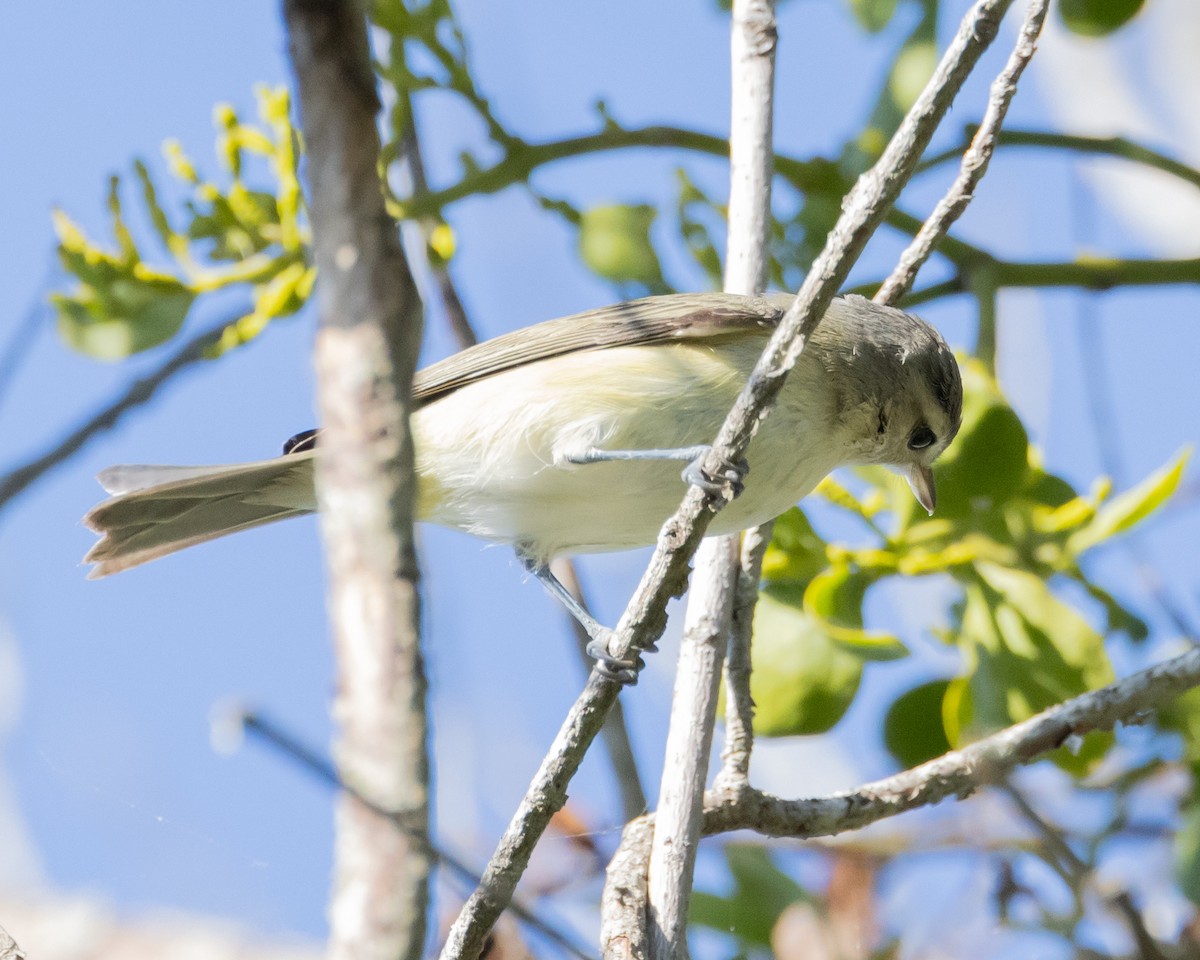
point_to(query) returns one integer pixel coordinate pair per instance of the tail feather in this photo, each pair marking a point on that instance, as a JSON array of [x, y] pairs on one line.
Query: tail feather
[[159, 510]]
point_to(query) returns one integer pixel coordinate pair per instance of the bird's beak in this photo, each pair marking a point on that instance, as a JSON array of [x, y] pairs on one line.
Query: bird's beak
[[920, 480]]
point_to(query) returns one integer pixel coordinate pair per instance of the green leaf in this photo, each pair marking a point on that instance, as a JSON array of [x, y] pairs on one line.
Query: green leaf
[[1047, 489], [761, 893], [614, 241], [803, 680], [119, 305], [1182, 715], [124, 319], [1131, 507], [913, 67], [1027, 650], [796, 553], [1187, 853], [834, 599], [873, 15], [914, 730], [986, 463], [1097, 18]]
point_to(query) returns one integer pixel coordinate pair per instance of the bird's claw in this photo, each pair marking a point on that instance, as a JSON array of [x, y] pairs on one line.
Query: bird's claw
[[621, 670], [730, 480]]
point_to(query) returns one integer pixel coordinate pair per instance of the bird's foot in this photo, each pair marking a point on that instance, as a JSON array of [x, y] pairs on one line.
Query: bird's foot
[[623, 670], [730, 480]]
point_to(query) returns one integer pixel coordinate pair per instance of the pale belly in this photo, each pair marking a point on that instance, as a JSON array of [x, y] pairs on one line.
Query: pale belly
[[492, 457]]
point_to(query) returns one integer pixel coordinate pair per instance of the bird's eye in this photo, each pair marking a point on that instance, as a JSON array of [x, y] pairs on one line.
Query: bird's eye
[[921, 438]]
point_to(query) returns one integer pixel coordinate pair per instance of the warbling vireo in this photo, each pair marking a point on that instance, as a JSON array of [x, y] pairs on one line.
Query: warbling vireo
[[559, 438]]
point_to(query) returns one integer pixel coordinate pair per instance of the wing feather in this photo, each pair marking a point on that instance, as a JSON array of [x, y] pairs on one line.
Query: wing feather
[[637, 322]]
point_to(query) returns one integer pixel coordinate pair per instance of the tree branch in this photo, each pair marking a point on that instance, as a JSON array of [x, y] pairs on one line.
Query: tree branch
[[1078, 871], [140, 391], [9, 950], [365, 356], [666, 576], [974, 161], [281, 740], [616, 732], [1100, 146], [714, 590], [956, 774]]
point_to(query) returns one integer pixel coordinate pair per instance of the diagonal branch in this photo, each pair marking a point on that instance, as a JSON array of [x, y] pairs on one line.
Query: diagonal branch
[[974, 161], [140, 391], [666, 575], [957, 774]]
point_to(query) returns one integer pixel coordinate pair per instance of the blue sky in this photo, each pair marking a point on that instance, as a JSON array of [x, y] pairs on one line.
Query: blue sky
[[108, 757]]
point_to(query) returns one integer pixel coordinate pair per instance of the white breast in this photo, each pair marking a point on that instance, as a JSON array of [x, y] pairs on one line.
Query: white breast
[[492, 455]]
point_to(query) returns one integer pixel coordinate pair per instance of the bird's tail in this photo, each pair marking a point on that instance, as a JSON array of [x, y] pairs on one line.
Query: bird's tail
[[155, 510]]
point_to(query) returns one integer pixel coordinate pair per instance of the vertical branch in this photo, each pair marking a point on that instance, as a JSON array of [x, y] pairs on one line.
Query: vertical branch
[[365, 356], [715, 586], [666, 574], [739, 705]]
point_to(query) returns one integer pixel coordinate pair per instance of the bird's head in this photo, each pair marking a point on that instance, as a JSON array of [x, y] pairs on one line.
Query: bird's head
[[905, 390]]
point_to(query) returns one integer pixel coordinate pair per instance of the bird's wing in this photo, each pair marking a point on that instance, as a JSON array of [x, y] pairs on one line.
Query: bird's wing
[[637, 322]]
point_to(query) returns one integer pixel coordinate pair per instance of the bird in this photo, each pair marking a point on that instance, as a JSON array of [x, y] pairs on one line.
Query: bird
[[566, 437]]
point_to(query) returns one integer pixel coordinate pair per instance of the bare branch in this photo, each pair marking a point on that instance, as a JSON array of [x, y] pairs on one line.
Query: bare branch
[[8, 947], [739, 704], [1078, 871], [137, 393], [365, 356], [714, 591], [290, 746], [1121, 147], [616, 732], [956, 774], [623, 905], [974, 162], [666, 575], [689, 743]]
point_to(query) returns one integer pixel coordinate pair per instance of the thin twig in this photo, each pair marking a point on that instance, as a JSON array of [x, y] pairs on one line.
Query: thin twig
[[666, 575], [1101, 146], [137, 393], [714, 590], [974, 162], [456, 314], [955, 774], [365, 355], [17, 347], [739, 704], [616, 731], [1079, 871], [290, 746]]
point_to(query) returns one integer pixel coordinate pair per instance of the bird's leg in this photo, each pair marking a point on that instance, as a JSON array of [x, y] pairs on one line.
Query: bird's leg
[[732, 477], [621, 670]]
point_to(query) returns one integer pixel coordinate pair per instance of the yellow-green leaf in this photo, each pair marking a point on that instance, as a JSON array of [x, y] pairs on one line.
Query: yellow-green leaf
[[803, 681], [1131, 507], [614, 241], [796, 553]]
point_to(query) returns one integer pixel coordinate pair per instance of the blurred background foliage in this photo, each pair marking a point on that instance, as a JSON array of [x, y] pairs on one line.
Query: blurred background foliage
[[1009, 541]]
